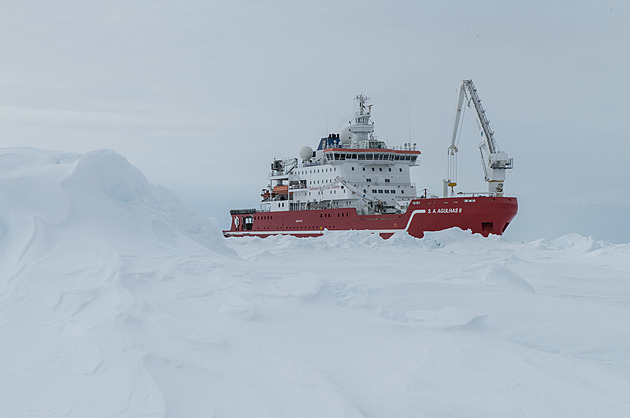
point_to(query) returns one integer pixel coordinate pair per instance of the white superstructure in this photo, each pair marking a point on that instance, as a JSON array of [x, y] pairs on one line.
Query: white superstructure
[[349, 169]]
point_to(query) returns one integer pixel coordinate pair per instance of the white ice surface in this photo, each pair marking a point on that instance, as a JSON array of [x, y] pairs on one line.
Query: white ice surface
[[117, 300]]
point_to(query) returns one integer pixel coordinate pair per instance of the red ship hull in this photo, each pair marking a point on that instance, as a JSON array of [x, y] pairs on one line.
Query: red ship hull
[[483, 215]]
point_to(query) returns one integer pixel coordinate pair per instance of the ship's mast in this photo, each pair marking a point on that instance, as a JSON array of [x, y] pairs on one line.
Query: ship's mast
[[362, 128]]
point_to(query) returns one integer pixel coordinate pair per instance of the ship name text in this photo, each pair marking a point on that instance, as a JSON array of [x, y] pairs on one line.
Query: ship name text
[[445, 210]]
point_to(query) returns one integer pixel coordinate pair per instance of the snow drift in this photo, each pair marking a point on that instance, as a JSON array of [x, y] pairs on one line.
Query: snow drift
[[97, 197], [117, 300]]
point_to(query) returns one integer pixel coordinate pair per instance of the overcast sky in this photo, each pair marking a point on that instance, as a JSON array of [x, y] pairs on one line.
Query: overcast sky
[[201, 95]]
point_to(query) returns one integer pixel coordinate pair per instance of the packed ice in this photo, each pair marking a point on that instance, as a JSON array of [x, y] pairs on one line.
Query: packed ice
[[116, 299]]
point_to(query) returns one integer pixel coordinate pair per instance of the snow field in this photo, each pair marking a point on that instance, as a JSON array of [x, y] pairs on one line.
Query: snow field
[[117, 300]]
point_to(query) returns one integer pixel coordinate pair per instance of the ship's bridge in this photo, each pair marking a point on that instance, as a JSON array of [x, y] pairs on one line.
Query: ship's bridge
[[372, 155]]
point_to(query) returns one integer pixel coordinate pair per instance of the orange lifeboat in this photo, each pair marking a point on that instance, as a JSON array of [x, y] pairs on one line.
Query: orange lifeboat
[[281, 189]]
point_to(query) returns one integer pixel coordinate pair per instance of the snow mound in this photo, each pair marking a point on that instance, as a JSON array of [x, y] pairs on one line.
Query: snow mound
[[573, 244], [499, 275], [47, 197]]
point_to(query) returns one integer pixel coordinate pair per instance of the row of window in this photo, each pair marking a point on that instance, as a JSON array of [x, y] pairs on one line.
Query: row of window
[[311, 228], [340, 156], [328, 215], [312, 182], [318, 181], [384, 191], [379, 169], [322, 192], [315, 171]]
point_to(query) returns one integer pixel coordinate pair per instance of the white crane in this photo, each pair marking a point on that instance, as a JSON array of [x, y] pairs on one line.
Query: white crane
[[493, 160]]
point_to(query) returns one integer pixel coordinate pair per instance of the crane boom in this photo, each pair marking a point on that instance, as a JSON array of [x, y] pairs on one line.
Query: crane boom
[[494, 161], [481, 116]]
